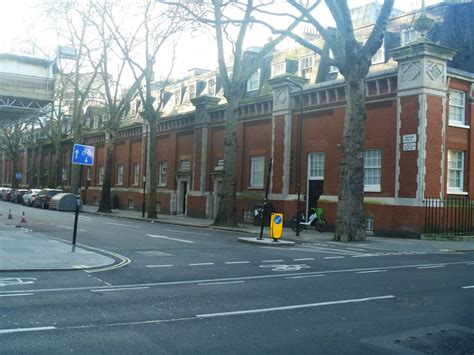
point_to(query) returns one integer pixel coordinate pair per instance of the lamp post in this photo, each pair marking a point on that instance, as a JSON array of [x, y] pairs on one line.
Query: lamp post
[[298, 155]]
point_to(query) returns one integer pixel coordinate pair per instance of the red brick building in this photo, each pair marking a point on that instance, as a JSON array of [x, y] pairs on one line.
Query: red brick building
[[418, 141]]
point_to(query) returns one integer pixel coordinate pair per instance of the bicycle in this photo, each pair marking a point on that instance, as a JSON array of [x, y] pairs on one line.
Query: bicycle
[[316, 219]]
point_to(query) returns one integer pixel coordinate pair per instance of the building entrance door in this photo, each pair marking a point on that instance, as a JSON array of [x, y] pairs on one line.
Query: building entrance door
[[315, 190], [217, 197], [182, 192]]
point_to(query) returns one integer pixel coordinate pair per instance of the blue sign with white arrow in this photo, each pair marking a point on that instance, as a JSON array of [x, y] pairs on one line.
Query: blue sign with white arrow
[[83, 155]]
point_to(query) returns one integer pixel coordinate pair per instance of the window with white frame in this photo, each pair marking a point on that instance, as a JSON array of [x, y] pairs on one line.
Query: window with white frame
[[211, 87], [192, 91], [379, 56], [177, 97], [455, 171], [372, 170], [163, 169], [316, 166], [95, 123], [306, 66], [254, 82], [456, 107], [278, 69], [408, 36], [332, 68], [133, 108], [120, 170], [257, 166], [101, 175], [136, 174]]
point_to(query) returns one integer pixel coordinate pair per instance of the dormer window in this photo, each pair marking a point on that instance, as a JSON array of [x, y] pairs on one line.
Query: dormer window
[[408, 36], [253, 83], [278, 69], [379, 56], [332, 68], [211, 87], [192, 91], [306, 66], [177, 97]]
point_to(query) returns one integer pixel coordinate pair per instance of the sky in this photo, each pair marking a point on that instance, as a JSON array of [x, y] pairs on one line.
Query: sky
[[18, 22]]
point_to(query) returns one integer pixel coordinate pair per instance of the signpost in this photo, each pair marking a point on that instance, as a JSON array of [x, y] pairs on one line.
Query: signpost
[[81, 155], [18, 176]]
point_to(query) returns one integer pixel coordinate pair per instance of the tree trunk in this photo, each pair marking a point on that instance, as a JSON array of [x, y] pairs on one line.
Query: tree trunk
[[226, 214], [350, 221], [151, 168], [105, 198]]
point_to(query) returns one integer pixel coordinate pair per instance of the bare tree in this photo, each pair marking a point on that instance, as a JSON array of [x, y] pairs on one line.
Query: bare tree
[[231, 23], [10, 142], [156, 29], [353, 59]]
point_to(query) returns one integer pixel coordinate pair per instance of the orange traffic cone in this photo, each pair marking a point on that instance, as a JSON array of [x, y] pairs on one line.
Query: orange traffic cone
[[10, 214], [23, 218]]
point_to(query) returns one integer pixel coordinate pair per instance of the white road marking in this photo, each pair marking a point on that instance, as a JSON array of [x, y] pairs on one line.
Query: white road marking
[[71, 228], [272, 261], [175, 239], [305, 276], [220, 283], [334, 257], [18, 330], [17, 294], [120, 289], [363, 255], [355, 249], [237, 262], [178, 231], [256, 277], [370, 271], [169, 265], [430, 267], [299, 306], [120, 224], [303, 259], [466, 287], [201, 264]]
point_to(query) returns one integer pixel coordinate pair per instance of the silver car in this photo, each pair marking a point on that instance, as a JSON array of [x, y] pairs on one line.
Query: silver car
[[30, 197]]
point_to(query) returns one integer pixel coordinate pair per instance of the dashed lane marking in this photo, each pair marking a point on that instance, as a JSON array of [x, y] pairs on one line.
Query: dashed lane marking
[[120, 289], [168, 238], [303, 259], [466, 287], [17, 294], [237, 262], [334, 257], [180, 231], [305, 276], [272, 261], [201, 264], [121, 224], [18, 330], [430, 267], [220, 283], [370, 271], [169, 265]]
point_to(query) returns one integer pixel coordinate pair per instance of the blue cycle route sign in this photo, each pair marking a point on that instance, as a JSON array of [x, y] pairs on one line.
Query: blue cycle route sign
[[83, 155]]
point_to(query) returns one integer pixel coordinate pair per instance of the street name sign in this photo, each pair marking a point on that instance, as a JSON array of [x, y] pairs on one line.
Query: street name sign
[[83, 155]]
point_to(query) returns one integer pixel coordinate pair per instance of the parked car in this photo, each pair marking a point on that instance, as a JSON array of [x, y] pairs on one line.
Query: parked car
[[7, 194], [17, 196], [44, 196], [30, 197], [2, 191]]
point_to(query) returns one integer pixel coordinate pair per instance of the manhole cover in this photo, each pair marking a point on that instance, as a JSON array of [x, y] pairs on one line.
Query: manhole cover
[[153, 253], [442, 342]]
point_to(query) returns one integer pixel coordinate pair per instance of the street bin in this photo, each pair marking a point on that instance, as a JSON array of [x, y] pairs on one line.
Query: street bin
[[258, 216]]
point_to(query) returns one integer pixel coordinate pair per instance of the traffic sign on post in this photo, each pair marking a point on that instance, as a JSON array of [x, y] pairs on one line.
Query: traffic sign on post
[[83, 155]]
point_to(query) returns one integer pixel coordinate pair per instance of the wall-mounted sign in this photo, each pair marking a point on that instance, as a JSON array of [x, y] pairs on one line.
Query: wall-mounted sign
[[409, 138], [407, 147], [67, 52]]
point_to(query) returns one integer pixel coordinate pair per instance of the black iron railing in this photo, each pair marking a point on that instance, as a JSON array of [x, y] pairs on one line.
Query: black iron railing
[[454, 216]]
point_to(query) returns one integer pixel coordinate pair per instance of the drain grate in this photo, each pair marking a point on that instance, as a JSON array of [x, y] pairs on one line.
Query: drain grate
[[443, 342], [153, 253]]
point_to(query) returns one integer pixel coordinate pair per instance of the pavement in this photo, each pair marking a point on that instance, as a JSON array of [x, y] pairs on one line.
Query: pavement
[[21, 249]]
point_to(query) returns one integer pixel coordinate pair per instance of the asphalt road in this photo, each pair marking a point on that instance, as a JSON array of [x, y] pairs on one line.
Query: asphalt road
[[198, 291]]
